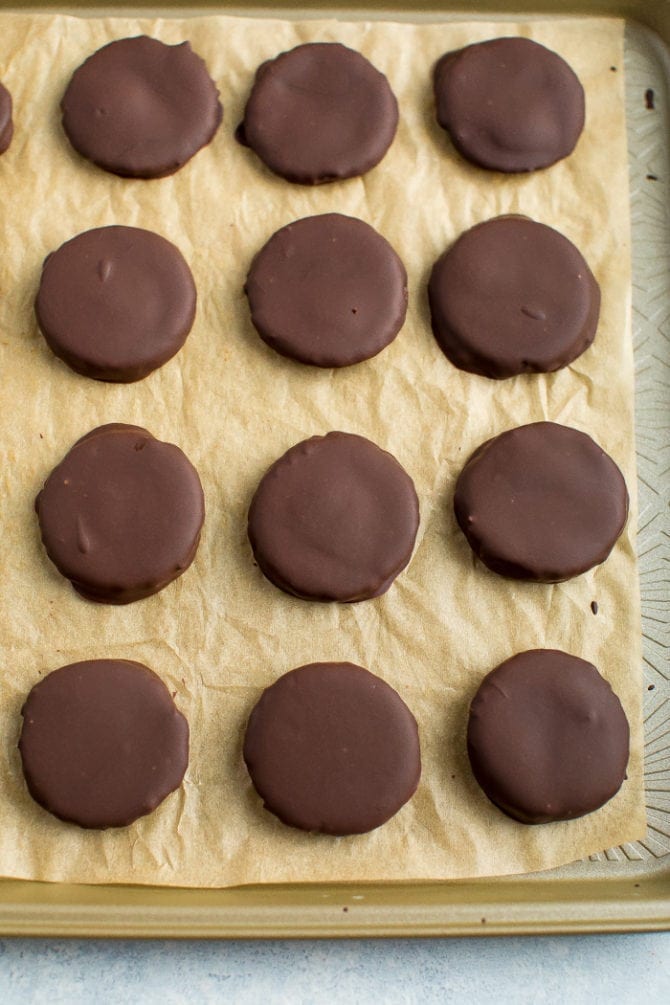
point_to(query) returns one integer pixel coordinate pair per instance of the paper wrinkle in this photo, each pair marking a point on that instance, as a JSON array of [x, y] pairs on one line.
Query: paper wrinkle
[[221, 633]]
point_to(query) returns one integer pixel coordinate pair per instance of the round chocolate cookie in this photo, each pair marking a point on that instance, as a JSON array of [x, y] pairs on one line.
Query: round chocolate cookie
[[140, 108], [121, 514], [102, 742], [509, 104], [115, 303], [327, 290], [547, 737], [332, 748], [335, 518], [541, 502], [513, 296], [320, 112], [6, 123]]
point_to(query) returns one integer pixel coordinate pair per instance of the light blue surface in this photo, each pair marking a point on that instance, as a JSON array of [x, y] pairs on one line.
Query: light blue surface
[[572, 970]]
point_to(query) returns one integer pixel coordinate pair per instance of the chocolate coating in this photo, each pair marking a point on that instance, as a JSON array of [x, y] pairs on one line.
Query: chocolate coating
[[140, 108], [121, 515], [115, 303], [318, 113], [509, 104], [327, 290], [102, 743], [541, 502], [513, 296], [335, 518], [332, 748], [6, 123], [547, 737]]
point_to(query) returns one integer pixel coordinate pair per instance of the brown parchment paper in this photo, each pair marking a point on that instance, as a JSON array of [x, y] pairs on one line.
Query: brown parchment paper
[[221, 633]]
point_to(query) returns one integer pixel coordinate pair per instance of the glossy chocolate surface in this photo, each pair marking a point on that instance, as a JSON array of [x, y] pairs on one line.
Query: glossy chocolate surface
[[547, 737], [330, 747], [513, 296], [320, 112], [121, 515], [6, 122], [140, 108], [116, 303], [102, 742], [327, 290], [509, 104], [335, 518], [541, 502]]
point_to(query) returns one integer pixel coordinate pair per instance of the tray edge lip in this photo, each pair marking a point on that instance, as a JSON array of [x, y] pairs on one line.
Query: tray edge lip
[[644, 914]]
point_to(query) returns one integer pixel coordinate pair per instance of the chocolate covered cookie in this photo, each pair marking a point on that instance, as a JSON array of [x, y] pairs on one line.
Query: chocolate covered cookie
[[541, 502], [327, 290], [547, 737], [121, 515], [102, 743], [6, 123], [140, 108], [335, 518], [513, 296], [320, 112], [115, 303], [509, 104], [332, 748]]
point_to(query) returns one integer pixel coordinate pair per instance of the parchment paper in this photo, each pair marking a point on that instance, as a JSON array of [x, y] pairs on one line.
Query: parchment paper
[[222, 633]]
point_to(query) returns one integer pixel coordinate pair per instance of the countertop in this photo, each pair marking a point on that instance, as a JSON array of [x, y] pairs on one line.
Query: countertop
[[575, 969]]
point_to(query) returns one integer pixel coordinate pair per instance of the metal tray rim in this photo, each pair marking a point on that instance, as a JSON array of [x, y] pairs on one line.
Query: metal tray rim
[[511, 905]]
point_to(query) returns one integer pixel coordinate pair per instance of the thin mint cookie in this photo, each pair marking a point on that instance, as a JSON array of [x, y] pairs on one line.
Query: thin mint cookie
[[541, 502], [116, 303], [6, 122], [547, 737], [140, 108], [335, 518], [318, 113], [332, 748], [328, 291], [509, 104], [102, 742], [513, 296], [120, 516]]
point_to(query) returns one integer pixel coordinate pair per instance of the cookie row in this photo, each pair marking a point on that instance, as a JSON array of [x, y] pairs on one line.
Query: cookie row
[[329, 747], [318, 113], [511, 296], [334, 519]]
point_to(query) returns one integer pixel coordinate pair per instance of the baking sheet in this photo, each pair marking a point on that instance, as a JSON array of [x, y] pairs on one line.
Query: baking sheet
[[214, 635]]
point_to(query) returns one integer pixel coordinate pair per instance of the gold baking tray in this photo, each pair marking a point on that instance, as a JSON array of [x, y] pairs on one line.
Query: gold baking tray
[[623, 889]]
